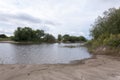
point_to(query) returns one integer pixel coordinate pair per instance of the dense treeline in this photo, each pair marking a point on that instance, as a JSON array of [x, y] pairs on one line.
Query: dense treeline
[[71, 39], [3, 36], [27, 34], [49, 38], [106, 29]]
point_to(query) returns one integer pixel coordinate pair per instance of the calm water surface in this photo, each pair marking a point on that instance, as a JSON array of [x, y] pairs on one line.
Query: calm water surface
[[41, 53]]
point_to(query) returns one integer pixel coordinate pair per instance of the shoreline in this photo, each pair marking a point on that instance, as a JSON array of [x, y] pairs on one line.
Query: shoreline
[[9, 42], [31, 42], [100, 67], [15, 42]]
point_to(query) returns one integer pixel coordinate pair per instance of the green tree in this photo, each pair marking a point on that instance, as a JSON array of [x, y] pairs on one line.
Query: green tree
[[3, 36], [28, 34], [82, 38], [72, 39], [59, 37], [49, 38], [66, 37], [23, 34], [38, 35], [106, 26]]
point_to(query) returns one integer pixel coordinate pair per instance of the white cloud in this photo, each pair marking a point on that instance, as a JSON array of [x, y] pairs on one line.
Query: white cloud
[[54, 16]]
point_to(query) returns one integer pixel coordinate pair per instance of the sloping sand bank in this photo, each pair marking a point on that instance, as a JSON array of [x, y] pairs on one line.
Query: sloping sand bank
[[99, 68]]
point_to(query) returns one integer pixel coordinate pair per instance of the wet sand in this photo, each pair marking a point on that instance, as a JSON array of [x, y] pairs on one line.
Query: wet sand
[[100, 67]]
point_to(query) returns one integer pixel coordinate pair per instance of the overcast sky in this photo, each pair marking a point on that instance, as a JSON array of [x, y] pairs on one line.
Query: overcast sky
[[72, 17]]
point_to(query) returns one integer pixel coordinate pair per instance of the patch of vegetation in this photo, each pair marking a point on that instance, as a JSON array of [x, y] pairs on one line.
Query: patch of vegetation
[[71, 39], [49, 38], [3, 37], [106, 31], [27, 34]]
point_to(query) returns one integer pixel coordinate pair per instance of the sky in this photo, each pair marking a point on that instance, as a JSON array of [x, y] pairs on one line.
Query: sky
[[73, 17]]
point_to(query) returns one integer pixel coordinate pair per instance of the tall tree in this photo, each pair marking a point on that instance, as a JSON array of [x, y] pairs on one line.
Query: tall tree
[[3, 36], [28, 34], [106, 29], [108, 24], [49, 38], [59, 37]]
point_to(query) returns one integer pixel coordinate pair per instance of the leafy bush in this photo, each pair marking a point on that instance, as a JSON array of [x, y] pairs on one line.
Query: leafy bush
[[68, 38], [27, 34], [49, 38], [113, 40], [106, 29]]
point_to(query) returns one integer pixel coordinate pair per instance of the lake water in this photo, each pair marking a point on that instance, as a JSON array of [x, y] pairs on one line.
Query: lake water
[[41, 53]]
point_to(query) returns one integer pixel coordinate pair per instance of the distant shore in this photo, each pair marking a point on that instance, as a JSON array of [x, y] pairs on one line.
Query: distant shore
[[15, 42], [8, 42]]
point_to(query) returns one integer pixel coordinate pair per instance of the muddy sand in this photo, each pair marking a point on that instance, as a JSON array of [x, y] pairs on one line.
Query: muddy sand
[[100, 67]]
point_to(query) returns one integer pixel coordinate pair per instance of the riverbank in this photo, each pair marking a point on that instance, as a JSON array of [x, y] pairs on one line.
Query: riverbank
[[105, 50], [8, 42], [101, 67], [14, 42]]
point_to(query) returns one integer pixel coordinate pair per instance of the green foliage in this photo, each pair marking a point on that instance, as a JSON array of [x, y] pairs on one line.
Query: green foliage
[[113, 40], [49, 38], [37, 35], [3, 36], [68, 38], [23, 34], [106, 29], [27, 34], [82, 38], [5, 39], [59, 37]]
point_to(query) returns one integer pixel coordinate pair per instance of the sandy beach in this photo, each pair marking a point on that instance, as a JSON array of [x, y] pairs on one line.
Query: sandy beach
[[100, 67]]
